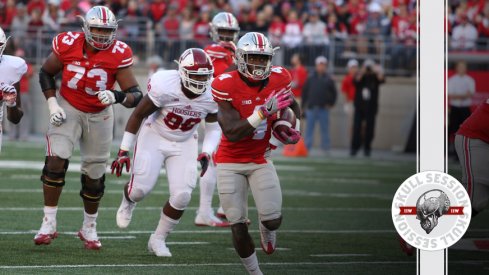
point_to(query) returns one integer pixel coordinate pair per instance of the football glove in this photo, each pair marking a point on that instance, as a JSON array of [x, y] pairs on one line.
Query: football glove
[[56, 114], [290, 136], [9, 94], [106, 97], [204, 160], [276, 101], [118, 163]]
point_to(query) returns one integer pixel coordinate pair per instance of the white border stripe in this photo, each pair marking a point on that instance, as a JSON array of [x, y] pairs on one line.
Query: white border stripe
[[432, 108]]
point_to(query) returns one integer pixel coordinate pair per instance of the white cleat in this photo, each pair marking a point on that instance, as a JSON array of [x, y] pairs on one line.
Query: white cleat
[[209, 220], [124, 214], [88, 234], [268, 239], [156, 245], [47, 232]]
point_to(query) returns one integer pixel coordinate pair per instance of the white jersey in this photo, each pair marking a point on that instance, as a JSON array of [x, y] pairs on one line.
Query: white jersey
[[178, 116], [12, 69]]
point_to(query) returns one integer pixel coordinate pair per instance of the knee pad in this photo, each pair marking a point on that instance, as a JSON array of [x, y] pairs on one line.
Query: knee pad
[[54, 171], [136, 195], [180, 200], [272, 224], [92, 189]]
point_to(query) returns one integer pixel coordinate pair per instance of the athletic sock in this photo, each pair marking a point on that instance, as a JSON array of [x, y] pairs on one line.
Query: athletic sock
[[251, 264]]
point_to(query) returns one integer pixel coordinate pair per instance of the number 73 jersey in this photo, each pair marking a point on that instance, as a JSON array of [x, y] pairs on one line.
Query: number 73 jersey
[[85, 73], [178, 116]]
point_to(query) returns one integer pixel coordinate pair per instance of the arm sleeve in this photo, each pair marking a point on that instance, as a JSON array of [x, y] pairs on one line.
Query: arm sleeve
[[212, 137]]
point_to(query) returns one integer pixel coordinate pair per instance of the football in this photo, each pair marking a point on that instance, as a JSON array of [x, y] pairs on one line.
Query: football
[[285, 119]]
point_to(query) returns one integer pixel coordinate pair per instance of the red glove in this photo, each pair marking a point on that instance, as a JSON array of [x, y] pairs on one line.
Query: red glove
[[118, 163], [291, 136], [204, 160]]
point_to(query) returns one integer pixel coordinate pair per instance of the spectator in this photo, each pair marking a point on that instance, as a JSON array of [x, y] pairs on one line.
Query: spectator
[[367, 84], [276, 30], [187, 25], [315, 37], [35, 22], [348, 87], [318, 97], [336, 29], [247, 20], [201, 28], [169, 27], [132, 16], [293, 31], [315, 31], [464, 35], [10, 10], [299, 76], [35, 4], [483, 22], [157, 10], [461, 88], [52, 16], [20, 24], [72, 11], [403, 38], [375, 27], [21, 130], [261, 24]]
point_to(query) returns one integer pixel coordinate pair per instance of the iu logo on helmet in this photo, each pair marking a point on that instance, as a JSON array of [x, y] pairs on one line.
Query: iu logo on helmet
[[418, 207]]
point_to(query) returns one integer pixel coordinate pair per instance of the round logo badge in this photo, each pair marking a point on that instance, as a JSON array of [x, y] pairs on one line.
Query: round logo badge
[[431, 210]]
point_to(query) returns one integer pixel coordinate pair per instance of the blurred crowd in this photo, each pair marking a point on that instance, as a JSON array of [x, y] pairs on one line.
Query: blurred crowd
[[468, 24], [287, 22]]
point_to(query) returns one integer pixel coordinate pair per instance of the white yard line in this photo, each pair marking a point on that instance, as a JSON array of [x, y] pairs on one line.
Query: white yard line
[[204, 264], [115, 237]]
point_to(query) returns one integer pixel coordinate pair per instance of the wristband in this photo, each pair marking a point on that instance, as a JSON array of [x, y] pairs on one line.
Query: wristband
[[255, 119], [127, 141]]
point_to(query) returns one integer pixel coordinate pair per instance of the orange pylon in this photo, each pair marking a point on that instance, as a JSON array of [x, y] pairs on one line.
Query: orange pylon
[[295, 150]]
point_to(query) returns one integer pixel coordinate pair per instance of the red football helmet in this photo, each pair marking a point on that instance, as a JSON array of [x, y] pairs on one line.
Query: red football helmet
[[193, 64]]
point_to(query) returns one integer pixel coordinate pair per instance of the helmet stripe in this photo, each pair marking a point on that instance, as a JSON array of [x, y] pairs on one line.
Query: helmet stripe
[[229, 18], [104, 15], [259, 41]]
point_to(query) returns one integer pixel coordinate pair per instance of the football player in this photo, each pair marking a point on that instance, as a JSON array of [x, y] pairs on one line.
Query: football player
[[90, 62], [224, 30], [12, 69], [248, 99], [472, 146], [177, 101]]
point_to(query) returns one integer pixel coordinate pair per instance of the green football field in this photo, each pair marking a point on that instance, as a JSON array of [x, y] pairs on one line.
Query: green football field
[[336, 221]]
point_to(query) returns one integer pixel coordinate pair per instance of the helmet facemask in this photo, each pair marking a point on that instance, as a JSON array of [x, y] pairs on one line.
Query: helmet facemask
[[224, 35], [99, 41], [196, 82], [251, 68]]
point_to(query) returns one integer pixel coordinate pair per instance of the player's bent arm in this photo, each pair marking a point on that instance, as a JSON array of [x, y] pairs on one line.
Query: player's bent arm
[[233, 127], [212, 134], [131, 95], [51, 67], [143, 110], [15, 113]]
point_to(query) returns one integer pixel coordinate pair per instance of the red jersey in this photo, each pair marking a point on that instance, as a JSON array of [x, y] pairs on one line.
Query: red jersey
[[299, 76], [84, 74], [476, 126], [348, 87], [221, 58], [245, 99]]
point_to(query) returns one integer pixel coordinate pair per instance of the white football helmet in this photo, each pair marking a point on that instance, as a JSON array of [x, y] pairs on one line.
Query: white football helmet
[[257, 44], [99, 17], [195, 61], [3, 42], [224, 21]]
